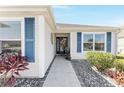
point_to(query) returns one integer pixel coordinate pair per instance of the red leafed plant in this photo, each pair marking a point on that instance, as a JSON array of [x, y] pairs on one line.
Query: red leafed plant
[[12, 64], [118, 76]]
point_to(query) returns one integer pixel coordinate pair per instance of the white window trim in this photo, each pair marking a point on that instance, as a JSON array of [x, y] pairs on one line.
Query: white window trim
[[94, 40], [83, 39], [21, 19]]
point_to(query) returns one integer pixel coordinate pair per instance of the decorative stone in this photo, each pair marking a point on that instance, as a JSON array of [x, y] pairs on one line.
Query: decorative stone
[[87, 76]]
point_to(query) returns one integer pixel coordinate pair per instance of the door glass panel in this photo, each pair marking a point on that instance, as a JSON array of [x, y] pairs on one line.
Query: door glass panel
[[61, 44]]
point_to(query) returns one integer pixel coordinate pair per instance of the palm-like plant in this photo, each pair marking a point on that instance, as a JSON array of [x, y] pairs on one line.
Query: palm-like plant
[[11, 65]]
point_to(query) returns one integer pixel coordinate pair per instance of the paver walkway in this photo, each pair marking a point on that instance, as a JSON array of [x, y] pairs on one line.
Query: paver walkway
[[61, 74]]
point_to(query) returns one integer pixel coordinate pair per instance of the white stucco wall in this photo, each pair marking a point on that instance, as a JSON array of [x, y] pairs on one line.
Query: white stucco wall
[[73, 47], [121, 45], [44, 50], [49, 47], [114, 43], [35, 67]]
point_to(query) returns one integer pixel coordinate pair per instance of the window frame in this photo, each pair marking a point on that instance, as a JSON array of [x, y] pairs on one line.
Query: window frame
[[22, 39], [94, 33], [88, 42]]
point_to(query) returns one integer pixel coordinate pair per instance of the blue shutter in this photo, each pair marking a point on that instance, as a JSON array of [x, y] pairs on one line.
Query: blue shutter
[[79, 40], [108, 41], [30, 39]]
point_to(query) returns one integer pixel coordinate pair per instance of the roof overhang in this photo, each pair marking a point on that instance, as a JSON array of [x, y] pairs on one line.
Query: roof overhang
[[8, 11], [67, 28]]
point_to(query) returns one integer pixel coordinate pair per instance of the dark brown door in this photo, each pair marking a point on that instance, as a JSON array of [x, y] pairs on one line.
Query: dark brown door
[[61, 44]]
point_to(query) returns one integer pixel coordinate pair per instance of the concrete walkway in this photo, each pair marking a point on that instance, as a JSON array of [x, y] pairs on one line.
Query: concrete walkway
[[61, 74]]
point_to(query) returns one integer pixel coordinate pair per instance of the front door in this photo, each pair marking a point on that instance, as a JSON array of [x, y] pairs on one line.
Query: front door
[[61, 44]]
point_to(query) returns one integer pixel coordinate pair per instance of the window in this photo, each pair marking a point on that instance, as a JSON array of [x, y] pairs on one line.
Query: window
[[10, 36], [88, 42], [10, 30], [11, 45], [94, 42], [99, 42]]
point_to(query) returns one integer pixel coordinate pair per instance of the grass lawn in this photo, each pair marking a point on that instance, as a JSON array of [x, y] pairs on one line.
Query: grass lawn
[[120, 62], [121, 55], [121, 58]]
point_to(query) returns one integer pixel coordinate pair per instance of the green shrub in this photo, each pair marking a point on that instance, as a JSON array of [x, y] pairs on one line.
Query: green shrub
[[91, 57], [119, 64], [101, 60]]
